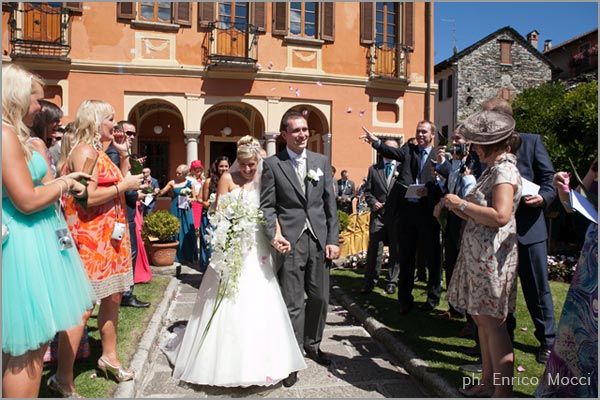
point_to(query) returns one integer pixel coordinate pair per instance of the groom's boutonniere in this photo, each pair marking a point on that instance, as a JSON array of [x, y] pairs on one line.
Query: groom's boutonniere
[[396, 174], [314, 175]]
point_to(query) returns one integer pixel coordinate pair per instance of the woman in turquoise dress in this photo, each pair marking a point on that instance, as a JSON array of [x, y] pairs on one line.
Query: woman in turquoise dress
[[180, 207], [572, 369], [44, 286]]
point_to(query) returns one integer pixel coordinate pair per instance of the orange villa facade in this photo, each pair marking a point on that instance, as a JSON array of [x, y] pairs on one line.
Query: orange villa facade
[[195, 77]]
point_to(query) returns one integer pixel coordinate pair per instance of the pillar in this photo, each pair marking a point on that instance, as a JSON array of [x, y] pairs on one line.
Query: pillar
[[271, 147], [191, 141]]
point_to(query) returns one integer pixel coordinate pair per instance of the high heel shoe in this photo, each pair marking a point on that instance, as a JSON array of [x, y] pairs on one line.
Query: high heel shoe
[[121, 374], [53, 385], [476, 391]]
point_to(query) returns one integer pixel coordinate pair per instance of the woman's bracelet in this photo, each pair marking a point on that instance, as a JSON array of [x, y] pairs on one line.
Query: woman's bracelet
[[117, 187], [62, 178], [60, 188]]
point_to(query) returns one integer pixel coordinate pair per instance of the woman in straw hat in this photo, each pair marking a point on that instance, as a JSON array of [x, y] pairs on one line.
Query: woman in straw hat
[[484, 281]]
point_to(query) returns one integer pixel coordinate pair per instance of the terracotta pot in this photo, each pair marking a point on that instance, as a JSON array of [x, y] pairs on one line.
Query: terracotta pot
[[162, 254]]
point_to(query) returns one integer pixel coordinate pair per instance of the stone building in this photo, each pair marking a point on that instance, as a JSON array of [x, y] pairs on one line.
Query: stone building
[[501, 64]]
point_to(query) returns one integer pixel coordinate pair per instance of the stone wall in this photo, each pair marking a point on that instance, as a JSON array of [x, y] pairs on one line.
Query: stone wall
[[481, 76]]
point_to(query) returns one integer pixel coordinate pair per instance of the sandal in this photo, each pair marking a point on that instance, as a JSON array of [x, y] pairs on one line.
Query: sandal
[[55, 387], [476, 391]]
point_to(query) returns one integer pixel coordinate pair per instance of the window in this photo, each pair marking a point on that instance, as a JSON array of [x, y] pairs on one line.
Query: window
[[156, 12], [505, 52], [386, 24], [450, 86], [233, 13], [440, 90], [304, 20]]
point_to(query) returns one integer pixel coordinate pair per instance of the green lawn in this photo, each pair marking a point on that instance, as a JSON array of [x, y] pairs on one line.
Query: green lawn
[[132, 325], [435, 340]]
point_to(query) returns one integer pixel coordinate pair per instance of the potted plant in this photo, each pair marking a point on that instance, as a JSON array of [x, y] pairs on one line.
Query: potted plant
[[159, 232]]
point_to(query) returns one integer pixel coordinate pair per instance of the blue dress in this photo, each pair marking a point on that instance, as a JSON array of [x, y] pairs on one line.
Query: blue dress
[[572, 370], [186, 252], [44, 289]]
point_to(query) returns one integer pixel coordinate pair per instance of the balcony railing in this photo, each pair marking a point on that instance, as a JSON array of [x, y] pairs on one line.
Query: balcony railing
[[38, 30], [387, 62], [232, 46]]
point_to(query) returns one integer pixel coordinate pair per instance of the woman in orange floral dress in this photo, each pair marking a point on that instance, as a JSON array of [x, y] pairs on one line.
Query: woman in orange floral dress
[[100, 229]]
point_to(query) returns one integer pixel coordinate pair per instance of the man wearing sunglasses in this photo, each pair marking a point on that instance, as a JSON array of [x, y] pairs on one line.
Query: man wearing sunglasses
[[131, 198]]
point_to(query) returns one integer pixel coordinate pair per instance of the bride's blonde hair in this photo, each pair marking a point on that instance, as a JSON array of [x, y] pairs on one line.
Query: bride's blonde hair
[[248, 147]]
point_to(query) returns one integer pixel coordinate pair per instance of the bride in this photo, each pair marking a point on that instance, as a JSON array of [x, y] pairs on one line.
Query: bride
[[247, 339]]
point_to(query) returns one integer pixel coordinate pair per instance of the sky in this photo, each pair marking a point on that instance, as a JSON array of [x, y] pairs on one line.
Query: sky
[[472, 21]]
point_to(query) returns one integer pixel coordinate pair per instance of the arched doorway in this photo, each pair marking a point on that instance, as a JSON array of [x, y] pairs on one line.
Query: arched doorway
[[224, 124], [317, 125]]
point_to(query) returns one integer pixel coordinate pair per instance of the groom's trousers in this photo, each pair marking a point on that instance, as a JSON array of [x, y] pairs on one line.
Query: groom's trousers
[[305, 273]]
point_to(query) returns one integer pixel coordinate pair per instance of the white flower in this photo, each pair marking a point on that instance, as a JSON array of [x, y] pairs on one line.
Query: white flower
[[396, 173], [186, 191], [314, 175]]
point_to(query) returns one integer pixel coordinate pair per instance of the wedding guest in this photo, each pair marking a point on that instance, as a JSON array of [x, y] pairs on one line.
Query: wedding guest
[[209, 189], [44, 287], [149, 195], [197, 178], [100, 230], [484, 278], [45, 128], [574, 356], [181, 190], [250, 340]]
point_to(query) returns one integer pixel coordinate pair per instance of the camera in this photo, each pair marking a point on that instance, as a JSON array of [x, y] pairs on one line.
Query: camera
[[459, 150], [64, 239]]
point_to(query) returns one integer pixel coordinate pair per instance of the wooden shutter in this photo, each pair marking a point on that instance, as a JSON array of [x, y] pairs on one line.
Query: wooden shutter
[[258, 16], [126, 10], [76, 7], [182, 13], [327, 11], [367, 15], [280, 18], [505, 50], [408, 25], [206, 13]]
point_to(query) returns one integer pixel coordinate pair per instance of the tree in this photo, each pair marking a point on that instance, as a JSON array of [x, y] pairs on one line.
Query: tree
[[567, 119]]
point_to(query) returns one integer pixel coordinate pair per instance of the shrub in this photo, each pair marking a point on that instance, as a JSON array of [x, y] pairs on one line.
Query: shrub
[[160, 226], [561, 268], [344, 220]]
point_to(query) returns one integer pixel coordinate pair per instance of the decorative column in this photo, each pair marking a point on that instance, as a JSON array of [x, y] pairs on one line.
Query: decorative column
[[191, 141], [326, 137], [271, 148]]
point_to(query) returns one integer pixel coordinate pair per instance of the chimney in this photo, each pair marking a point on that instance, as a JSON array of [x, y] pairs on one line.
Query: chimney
[[532, 38], [547, 44]]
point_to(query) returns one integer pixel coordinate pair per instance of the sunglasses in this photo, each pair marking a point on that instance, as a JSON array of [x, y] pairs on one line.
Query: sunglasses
[[131, 133]]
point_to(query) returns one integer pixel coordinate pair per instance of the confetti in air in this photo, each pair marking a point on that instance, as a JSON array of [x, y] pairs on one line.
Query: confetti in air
[[361, 113], [297, 92], [291, 88], [349, 110], [270, 66], [319, 83], [305, 112], [258, 67]]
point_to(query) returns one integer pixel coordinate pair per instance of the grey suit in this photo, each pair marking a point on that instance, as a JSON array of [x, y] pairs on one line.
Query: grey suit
[[303, 269], [378, 189]]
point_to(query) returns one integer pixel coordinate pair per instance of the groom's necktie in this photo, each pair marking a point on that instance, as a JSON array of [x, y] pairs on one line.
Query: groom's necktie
[[301, 171]]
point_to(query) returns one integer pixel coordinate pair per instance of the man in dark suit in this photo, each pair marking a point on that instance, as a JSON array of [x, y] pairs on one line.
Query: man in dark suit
[[534, 164], [131, 198], [298, 203], [345, 193], [414, 215], [381, 186]]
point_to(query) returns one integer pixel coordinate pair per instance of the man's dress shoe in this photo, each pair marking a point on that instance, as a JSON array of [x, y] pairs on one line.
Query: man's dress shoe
[[132, 301], [543, 354], [319, 357], [291, 379]]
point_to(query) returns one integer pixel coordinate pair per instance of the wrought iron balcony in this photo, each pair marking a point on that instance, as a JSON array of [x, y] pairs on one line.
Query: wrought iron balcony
[[232, 46], [39, 30], [388, 62]]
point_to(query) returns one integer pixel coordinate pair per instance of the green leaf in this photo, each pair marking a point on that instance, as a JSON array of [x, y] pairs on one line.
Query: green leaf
[[136, 166]]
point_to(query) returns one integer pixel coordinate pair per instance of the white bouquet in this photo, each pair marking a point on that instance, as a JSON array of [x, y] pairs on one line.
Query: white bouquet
[[235, 221]]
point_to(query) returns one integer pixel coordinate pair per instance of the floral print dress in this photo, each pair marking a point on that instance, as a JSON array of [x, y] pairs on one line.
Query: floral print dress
[[484, 279]]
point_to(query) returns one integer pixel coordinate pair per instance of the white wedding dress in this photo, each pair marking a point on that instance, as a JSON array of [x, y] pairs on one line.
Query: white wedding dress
[[251, 340]]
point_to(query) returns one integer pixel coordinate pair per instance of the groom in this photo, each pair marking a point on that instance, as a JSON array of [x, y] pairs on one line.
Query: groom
[[297, 193]]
